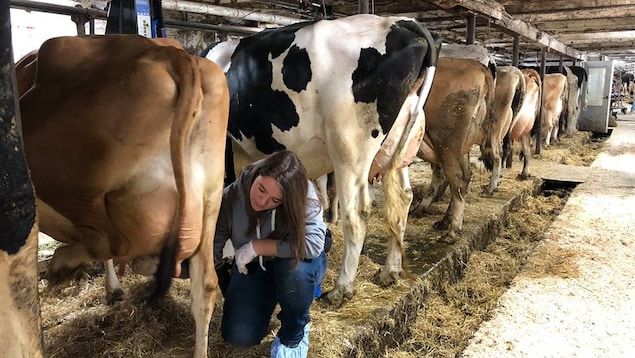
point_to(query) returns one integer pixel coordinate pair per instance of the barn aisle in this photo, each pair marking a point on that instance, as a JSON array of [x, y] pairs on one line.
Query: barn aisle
[[575, 296]]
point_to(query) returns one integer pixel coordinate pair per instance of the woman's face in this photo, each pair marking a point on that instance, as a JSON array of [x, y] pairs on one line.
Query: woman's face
[[265, 193]]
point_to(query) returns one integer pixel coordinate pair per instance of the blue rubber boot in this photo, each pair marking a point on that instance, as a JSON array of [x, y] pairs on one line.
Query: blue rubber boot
[[279, 350]]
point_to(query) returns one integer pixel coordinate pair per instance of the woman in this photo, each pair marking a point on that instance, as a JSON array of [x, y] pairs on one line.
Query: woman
[[273, 218]]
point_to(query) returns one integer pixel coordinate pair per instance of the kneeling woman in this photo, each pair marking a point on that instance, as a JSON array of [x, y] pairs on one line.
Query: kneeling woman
[[273, 218]]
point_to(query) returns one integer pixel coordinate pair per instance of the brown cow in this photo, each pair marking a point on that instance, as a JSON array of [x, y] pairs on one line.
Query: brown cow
[[555, 86], [510, 88], [523, 123], [457, 111], [125, 142]]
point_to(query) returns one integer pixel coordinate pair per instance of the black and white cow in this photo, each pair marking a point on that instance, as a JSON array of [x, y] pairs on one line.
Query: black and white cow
[[347, 96]]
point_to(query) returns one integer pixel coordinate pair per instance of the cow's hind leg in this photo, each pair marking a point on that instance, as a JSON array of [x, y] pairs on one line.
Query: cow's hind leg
[[434, 193], [496, 170], [355, 210], [203, 277], [85, 244], [204, 286], [525, 143], [114, 292], [459, 179], [508, 151], [397, 200]]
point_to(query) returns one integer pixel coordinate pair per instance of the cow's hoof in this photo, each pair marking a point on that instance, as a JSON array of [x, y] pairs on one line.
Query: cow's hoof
[[488, 193], [449, 238], [523, 176], [386, 279], [336, 298], [114, 296], [66, 274], [441, 225]]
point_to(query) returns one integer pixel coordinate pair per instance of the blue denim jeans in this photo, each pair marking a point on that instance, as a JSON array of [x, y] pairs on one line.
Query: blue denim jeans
[[250, 300]]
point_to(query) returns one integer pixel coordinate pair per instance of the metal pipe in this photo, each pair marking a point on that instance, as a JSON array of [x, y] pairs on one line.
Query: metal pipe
[[204, 8], [178, 24], [101, 14]]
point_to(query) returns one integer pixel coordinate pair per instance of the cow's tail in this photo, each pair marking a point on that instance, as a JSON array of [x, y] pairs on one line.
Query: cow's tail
[[230, 171], [535, 76], [519, 95], [424, 85], [185, 119], [487, 155], [564, 114], [390, 179], [403, 132]]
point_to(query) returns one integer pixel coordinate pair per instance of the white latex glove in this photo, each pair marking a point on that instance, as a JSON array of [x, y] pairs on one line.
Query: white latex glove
[[244, 255]]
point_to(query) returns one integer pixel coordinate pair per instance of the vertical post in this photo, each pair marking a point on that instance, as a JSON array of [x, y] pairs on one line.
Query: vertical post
[[80, 21], [515, 51], [158, 24], [21, 329], [122, 17], [538, 124], [362, 6], [470, 37]]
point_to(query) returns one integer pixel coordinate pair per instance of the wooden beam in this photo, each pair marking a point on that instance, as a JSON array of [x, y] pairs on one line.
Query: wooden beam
[[497, 15], [516, 7], [567, 26], [611, 35], [600, 13]]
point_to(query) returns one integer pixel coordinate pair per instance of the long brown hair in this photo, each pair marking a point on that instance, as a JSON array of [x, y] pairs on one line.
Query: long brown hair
[[287, 169]]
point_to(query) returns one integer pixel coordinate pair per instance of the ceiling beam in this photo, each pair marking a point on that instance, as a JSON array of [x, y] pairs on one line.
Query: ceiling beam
[[599, 13], [602, 36], [524, 7], [497, 16], [565, 26]]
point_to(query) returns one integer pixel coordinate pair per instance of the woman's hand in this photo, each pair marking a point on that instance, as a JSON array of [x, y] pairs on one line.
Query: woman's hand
[[244, 255]]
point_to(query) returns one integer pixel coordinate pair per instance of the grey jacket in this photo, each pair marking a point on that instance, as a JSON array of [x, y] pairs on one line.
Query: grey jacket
[[232, 222]]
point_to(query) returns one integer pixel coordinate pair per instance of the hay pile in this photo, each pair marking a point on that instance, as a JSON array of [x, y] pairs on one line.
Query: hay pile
[[77, 323], [452, 315]]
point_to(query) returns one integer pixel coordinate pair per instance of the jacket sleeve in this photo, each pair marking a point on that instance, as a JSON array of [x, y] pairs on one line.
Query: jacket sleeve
[[315, 229], [223, 229]]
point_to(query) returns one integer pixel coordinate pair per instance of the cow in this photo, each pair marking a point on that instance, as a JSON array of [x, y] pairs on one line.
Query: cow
[[458, 115], [508, 97], [575, 96], [25, 71], [125, 142], [21, 330], [555, 87], [523, 123], [345, 95]]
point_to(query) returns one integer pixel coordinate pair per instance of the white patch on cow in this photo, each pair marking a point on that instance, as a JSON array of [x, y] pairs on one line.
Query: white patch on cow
[[331, 106], [221, 54]]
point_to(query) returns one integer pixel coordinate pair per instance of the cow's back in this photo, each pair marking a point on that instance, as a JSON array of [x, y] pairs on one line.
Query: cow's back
[[100, 126], [554, 86], [306, 73], [457, 106], [530, 107]]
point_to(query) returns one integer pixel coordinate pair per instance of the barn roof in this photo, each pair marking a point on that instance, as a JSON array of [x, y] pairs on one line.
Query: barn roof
[[567, 29]]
